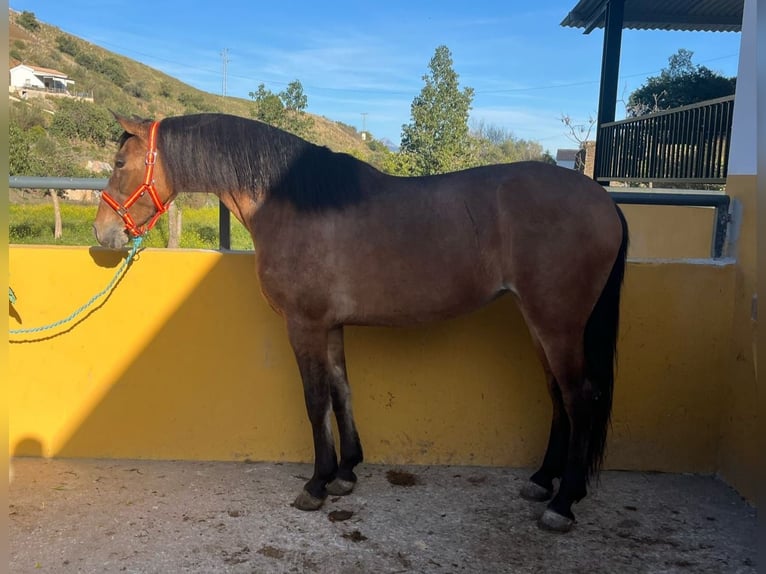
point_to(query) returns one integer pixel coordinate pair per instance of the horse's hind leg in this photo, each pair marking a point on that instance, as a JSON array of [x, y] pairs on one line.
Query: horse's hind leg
[[540, 485], [350, 446], [310, 347], [577, 397]]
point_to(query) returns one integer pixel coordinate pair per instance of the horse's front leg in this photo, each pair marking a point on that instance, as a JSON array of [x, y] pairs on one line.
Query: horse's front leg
[[310, 347], [350, 445]]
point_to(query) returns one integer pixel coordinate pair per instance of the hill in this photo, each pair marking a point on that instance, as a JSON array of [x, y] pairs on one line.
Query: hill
[[118, 83]]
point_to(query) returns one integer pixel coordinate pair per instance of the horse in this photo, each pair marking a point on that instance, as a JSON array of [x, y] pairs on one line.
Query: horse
[[338, 242]]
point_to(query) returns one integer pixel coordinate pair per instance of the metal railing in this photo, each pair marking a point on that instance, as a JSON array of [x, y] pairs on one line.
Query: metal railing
[[689, 144], [718, 201], [99, 183]]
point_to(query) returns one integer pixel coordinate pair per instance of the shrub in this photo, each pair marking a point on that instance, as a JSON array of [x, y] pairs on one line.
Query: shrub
[[77, 120], [87, 60], [67, 44], [113, 69], [136, 89], [29, 21], [191, 102], [165, 90]]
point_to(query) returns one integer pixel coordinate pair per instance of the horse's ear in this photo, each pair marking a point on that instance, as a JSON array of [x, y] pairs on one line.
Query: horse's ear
[[135, 125]]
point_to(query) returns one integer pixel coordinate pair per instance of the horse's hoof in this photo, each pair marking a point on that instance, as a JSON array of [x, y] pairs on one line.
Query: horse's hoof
[[306, 501], [340, 487], [555, 522], [535, 492]]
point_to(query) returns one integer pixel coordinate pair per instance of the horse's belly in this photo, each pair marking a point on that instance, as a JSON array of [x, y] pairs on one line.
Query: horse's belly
[[410, 300]]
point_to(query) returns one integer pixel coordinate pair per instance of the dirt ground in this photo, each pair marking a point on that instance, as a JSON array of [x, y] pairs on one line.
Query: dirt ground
[[150, 516]]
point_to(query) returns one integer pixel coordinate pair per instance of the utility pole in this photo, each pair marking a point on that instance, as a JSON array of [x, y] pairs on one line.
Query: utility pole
[[225, 59], [364, 125]]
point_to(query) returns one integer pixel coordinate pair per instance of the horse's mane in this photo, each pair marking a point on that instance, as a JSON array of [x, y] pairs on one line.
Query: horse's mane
[[219, 153]]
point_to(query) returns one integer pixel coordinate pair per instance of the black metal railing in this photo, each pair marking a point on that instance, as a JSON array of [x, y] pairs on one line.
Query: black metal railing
[[689, 144]]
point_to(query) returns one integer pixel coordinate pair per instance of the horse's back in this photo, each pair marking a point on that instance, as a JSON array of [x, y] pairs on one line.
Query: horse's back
[[420, 249]]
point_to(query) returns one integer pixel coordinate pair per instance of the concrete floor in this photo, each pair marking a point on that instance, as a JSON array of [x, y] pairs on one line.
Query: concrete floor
[[157, 516]]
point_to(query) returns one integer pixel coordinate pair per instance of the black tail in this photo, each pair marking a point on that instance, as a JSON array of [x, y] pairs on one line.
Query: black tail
[[601, 353]]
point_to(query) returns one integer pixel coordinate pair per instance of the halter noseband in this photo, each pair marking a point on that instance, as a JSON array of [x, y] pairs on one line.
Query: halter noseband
[[146, 186]]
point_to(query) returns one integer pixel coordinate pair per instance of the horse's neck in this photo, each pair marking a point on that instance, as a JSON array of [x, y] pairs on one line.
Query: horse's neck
[[241, 204]]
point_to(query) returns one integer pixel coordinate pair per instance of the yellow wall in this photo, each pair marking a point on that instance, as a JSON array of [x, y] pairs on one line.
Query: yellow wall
[[739, 447], [670, 232], [185, 360]]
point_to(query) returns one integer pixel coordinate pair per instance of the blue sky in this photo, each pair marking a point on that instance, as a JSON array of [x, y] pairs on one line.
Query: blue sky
[[359, 57]]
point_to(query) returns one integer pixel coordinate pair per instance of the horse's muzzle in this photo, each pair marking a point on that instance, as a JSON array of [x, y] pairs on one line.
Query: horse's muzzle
[[113, 237]]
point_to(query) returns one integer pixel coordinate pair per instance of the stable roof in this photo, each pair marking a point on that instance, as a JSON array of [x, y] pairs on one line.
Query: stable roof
[[693, 15]]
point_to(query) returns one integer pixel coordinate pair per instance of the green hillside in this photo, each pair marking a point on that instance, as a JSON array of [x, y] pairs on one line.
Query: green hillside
[[123, 85]]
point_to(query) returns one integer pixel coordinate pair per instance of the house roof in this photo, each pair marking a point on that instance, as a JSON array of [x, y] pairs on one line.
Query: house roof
[[692, 15], [45, 71], [566, 154]]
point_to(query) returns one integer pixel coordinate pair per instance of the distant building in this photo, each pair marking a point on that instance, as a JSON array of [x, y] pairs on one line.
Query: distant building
[[25, 77], [566, 157], [578, 159]]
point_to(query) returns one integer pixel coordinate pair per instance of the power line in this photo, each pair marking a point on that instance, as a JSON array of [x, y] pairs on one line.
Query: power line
[[380, 91]]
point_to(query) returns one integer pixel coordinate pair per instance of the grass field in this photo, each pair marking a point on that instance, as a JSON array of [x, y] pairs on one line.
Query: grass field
[[34, 223]]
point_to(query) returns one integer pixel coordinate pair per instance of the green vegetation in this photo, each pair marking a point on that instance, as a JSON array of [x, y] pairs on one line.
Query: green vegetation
[[29, 21], [60, 136], [33, 224], [437, 138], [285, 110], [82, 121], [680, 84], [35, 152]]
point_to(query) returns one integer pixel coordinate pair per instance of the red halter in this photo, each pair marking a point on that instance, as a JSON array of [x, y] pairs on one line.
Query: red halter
[[147, 185]]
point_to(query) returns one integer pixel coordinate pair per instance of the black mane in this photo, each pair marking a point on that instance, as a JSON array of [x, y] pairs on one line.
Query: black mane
[[219, 153]]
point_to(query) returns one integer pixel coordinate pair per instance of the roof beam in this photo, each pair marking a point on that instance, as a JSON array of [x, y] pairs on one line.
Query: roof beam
[[596, 17]]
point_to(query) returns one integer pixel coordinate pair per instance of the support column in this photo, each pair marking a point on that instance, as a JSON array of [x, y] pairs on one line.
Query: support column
[[610, 69]]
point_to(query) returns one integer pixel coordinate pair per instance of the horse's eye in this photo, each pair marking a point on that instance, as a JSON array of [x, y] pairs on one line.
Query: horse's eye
[[119, 163]]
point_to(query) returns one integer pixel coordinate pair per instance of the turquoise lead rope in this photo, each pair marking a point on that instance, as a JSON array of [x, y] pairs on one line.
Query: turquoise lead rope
[[120, 271]]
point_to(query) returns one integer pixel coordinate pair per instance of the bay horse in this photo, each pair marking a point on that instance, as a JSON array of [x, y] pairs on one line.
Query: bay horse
[[338, 242]]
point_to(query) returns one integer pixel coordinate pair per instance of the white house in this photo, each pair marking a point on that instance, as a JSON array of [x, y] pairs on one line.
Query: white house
[[24, 77]]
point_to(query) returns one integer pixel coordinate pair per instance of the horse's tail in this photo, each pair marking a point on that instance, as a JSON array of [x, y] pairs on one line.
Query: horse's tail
[[601, 352]]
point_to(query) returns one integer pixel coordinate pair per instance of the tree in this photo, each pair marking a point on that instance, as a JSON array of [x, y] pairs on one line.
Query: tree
[[29, 21], [580, 134], [495, 144], [284, 110], [293, 97], [680, 84], [437, 138], [175, 225], [268, 107], [34, 152]]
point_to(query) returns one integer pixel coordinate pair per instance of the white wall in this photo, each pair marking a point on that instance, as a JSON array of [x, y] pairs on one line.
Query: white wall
[[742, 156], [22, 77]]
